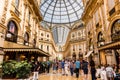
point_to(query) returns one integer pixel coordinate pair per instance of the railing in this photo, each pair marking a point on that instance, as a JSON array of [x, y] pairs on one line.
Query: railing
[[11, 37], [19, 40], [78, 39]]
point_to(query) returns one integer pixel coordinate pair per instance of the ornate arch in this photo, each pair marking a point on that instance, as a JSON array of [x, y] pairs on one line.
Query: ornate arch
[[12, 31], [17, 23], [115, 30], [111, 23]]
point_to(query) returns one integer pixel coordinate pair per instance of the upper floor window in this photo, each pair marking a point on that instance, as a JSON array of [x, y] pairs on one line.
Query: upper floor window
[[47, 48], [16, 3], [73, 35], [78, 33], [47, 35], [26, 39], [111, 4], [41, 46], [12, 31], [41, 34], [73, 47], [100, 39]]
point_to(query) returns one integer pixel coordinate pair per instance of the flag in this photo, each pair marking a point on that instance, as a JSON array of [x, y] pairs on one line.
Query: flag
[[12, 27]]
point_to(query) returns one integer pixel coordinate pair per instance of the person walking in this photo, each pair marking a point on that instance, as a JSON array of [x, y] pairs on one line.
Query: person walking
[[54, 66], [66, 68], [71, 67], [77, 67], [103, 74], [85, 68], [93, 70], [48, 66], [36, 70], [62, 66]]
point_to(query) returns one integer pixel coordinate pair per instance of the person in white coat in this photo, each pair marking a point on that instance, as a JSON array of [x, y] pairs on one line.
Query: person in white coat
[[66, 68], [103, 73]]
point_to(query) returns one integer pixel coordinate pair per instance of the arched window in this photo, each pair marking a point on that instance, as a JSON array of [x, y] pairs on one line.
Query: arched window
[[48, 35], [115, 30], [26, 39], [12, 32], [41, 46], [100, 39], [41, 34], [74, 55], [80, 54], [73, 35]]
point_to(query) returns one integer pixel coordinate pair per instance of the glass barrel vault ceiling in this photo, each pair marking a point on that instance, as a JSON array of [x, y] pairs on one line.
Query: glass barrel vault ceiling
[[60, 35], [61, 11]]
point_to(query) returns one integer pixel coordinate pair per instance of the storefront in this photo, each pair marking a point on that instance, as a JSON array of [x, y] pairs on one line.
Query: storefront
[[23, 53]]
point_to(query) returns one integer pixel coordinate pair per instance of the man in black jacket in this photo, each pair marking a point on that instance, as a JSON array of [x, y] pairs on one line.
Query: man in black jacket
[[93, 70]]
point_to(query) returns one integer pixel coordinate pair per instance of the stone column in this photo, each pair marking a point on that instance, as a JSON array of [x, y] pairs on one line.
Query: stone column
[[103, 57]]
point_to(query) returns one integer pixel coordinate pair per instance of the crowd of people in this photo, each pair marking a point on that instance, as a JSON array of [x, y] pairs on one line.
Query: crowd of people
[[77, 67]]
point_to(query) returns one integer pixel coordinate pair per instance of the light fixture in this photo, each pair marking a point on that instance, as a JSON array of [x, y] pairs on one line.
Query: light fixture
[[9, 35]]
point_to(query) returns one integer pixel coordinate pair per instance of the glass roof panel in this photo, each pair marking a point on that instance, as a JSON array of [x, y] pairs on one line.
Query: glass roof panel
[[64, 13], [60, 8]]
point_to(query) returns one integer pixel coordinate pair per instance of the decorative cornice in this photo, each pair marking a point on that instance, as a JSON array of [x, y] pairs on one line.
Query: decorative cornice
[[90, 9], [36, 9], [13, 14]]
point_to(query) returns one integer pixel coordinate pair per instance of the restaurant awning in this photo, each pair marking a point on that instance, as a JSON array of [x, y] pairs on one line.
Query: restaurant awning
[[36, 50], [112, 45]]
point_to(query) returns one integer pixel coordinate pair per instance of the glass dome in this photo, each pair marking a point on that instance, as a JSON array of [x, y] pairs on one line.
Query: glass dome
[[61, 11]]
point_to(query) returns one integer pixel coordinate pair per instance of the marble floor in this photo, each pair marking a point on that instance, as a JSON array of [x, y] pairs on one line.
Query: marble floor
[[52, 76]]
